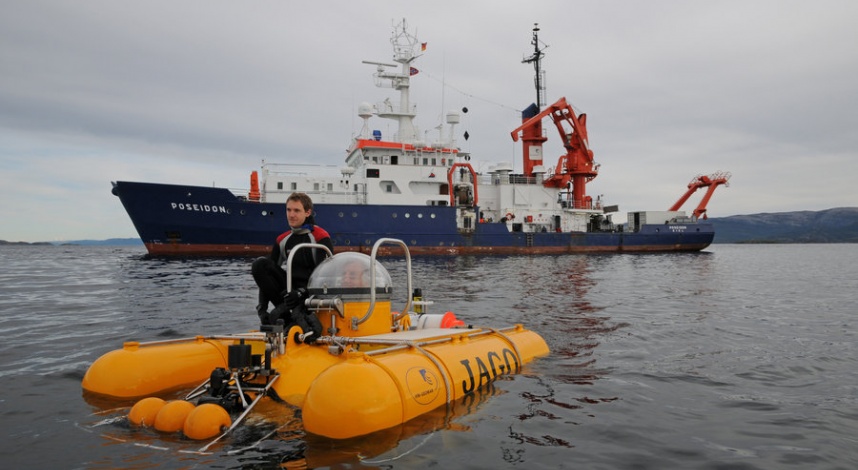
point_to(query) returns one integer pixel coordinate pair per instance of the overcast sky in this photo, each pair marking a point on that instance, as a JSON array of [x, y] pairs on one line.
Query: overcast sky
[[200, 92]]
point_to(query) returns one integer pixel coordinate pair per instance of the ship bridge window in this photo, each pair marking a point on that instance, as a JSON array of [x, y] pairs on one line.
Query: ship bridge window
[[294, 186], [425, 161], [372, 173], [394, 160], [330, 187], [279, 185], [315, 186]]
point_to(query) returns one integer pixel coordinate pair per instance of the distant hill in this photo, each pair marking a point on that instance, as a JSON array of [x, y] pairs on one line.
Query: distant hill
[[4, 242], [108, 242], [838, 225]]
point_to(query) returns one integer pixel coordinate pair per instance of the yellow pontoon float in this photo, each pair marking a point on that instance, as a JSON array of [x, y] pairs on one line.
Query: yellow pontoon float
[[371, 370]]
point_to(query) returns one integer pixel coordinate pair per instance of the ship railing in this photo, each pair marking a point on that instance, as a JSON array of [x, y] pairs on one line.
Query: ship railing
[[390, 107], [240, 193], [310, 192], [301, 169], [496, 179]]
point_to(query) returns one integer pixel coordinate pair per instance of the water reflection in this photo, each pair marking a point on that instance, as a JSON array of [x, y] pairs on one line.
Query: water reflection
[[560, 298], [574, 324], [273, 436]]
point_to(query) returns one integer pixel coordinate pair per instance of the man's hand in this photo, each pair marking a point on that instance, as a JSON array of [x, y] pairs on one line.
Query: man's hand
[[295, 298]]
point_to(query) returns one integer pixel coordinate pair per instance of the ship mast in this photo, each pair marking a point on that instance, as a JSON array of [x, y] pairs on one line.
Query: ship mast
[[536, 60], [404, 45], [532, 137]]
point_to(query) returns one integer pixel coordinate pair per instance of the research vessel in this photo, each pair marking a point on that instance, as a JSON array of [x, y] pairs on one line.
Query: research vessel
[[426, 193]]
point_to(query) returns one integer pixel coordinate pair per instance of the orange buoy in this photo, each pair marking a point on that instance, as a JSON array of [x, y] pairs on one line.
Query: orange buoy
[[144, 411], [206, 421], [171, 417]]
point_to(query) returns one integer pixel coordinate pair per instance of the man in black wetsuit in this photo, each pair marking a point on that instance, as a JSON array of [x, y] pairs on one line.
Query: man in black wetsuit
[[269, 272]]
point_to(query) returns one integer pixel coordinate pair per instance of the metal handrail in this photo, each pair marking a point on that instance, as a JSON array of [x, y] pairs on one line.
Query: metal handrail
[[292, 255], [381, 241]]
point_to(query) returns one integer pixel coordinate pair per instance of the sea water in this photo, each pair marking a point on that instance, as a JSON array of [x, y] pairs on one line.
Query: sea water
[[741, 356]]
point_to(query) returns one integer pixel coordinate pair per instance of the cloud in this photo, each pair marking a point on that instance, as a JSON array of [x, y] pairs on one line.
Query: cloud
[[199, 92]]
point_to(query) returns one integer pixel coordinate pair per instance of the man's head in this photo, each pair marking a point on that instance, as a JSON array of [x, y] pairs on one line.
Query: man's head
[[354, 274], [299, 206]]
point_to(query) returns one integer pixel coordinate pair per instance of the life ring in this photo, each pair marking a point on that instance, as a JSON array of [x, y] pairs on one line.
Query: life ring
[[509, 216]]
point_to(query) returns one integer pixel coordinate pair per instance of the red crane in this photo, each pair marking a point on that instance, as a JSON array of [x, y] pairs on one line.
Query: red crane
[[576, 165], [702, 181]]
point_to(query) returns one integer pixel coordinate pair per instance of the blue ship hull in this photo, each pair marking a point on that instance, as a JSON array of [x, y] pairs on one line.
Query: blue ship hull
[[178, 220]]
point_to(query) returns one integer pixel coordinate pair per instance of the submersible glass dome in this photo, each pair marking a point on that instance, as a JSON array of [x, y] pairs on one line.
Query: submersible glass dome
[[348, 272]]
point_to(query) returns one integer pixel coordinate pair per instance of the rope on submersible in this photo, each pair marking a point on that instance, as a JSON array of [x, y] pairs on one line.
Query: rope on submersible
[[438, 365], [441, 369], [417, 447], [511, 343]]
